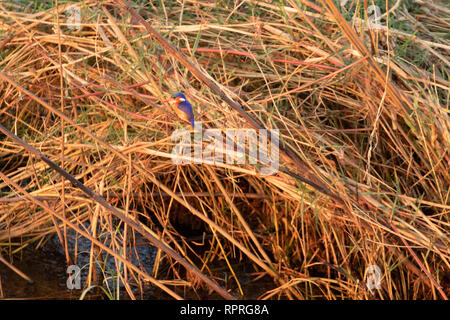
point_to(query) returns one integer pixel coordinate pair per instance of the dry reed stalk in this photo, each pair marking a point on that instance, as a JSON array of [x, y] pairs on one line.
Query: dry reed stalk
[[372, 124]]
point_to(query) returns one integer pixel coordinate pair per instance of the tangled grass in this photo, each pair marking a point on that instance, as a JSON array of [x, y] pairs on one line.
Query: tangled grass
[[363, 113]]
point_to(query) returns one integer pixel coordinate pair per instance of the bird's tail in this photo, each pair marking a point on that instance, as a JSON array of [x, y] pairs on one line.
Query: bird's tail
[[192, 122]]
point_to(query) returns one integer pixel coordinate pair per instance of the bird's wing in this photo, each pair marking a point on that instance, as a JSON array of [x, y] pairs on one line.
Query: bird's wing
[[187, 109]]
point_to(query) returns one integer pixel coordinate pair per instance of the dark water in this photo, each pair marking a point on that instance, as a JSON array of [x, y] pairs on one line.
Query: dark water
[[47, 267]]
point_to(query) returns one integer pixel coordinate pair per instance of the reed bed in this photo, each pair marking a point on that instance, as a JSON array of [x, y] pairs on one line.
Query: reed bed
[[362, 113]]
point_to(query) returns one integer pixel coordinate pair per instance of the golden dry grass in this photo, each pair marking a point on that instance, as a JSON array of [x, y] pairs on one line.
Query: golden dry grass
[[364, 114]]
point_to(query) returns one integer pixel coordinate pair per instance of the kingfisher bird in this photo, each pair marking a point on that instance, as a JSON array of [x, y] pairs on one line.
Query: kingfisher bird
[[182, 107]]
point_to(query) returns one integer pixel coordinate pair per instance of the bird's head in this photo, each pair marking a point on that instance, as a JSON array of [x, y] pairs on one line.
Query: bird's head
[[176, 98]]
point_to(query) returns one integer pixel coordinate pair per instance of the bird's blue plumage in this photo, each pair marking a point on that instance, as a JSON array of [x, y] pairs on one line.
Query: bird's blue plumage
[[179, 95], [185, 107]]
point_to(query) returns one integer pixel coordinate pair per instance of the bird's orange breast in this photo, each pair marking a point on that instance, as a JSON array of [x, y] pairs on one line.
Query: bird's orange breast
[[180, 113]]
